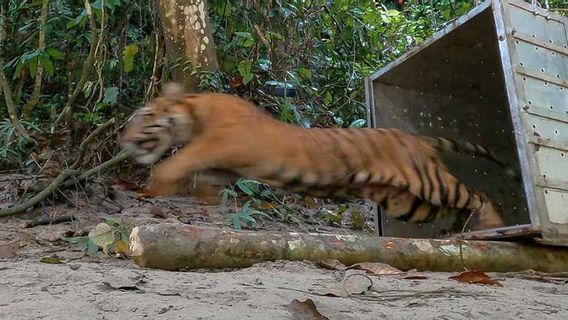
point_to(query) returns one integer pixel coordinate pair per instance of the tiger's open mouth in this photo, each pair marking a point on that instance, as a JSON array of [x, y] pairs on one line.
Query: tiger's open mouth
[[148, 145]]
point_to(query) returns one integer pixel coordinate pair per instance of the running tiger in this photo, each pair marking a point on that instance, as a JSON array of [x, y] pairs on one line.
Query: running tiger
[[400, 171]]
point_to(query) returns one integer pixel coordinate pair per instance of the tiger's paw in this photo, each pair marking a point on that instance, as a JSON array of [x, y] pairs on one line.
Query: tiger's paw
[[159, 187], [489, 218]]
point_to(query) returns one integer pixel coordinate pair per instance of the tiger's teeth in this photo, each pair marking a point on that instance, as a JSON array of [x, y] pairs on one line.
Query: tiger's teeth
[[361, 176]]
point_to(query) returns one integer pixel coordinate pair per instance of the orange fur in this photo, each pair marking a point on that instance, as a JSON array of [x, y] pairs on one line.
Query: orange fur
[[400, 171]]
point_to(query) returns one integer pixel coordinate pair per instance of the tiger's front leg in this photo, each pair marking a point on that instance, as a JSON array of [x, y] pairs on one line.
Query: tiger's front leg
[[199, 155]]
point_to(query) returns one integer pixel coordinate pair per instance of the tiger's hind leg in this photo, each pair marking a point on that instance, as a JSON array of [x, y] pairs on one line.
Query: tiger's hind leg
[[434, 184], [402, 205]]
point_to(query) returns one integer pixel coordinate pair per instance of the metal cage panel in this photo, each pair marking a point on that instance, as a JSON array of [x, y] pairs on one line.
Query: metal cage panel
[[495, 76]]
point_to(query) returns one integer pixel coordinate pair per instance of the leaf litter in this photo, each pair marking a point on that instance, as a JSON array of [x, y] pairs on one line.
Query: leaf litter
[[376, 268], [477, 277], [305, 310]]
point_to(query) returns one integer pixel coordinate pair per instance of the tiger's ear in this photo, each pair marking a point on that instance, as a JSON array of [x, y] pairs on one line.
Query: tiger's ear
[[173, 90]]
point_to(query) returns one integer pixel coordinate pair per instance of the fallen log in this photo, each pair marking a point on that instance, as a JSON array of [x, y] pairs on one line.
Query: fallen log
[[175, 246]]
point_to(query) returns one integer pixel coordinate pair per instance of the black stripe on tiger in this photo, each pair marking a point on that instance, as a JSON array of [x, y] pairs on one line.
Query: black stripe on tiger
[[412, 211], [442, 187], [445, 144], [344, 156], [421, 191], [432, 213]]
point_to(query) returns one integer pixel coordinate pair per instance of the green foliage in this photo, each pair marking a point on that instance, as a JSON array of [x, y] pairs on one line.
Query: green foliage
[[121, 70], [304, 61], [110, 237], [316, 54]]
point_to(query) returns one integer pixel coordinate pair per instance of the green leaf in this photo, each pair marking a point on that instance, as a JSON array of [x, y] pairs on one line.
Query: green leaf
[[111, 94], [243, 34], [264, 64], [327, 98], [29, 56], [247, 186], [32, 65], [111, 222], [92, 248], [18, 71], [247, 78], [245, 67], [305, 73], [102, 235], [47, 64], [359, 123], [54, 53], [128, 55]]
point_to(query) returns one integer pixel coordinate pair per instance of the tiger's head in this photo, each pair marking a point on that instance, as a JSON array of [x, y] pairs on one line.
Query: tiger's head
[[160, 124]]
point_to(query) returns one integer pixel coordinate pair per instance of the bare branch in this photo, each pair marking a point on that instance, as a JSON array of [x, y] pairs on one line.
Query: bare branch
[[38, 197], [62, 181], [88, 140]]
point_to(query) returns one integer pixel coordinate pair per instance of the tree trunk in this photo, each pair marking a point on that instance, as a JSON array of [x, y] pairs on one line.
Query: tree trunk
[[189, 39], [178, 246]]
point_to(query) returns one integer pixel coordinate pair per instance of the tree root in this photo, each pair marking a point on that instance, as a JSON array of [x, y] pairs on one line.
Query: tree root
[[63, 181], [22, 207]]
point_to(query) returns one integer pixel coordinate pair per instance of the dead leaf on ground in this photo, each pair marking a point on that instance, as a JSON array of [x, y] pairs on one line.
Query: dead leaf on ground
[[108, 287], [52, 260], [413, 276], [120, 246], [310, 202], [376, 268], [332, 264], [305, 310], [353, 284], [476, 276]]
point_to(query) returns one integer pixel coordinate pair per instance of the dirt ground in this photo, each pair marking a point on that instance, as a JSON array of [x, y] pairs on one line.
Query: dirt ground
[[107, 287]]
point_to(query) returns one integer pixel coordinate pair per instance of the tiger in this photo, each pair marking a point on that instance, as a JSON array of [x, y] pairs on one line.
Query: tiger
[[226, 135]]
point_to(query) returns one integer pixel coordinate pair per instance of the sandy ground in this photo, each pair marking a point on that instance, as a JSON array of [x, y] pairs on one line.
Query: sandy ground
[[120, 290], [104, 287]]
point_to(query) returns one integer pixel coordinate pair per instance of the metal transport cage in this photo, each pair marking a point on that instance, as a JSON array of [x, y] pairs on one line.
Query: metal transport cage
[[497, 76]]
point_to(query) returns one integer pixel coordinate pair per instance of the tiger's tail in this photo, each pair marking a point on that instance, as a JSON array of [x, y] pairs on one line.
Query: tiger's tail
[[451, 145]]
